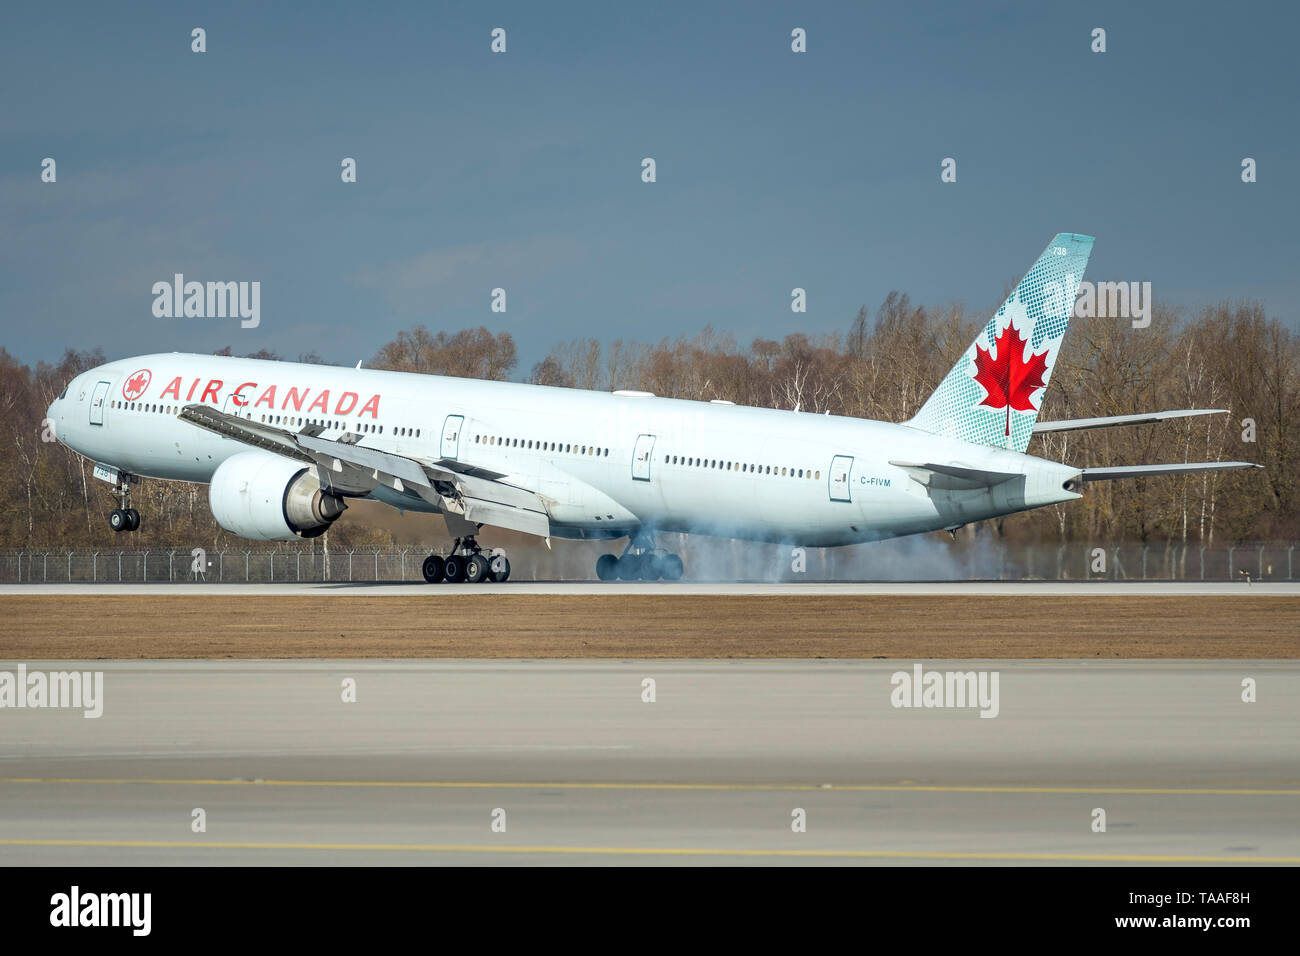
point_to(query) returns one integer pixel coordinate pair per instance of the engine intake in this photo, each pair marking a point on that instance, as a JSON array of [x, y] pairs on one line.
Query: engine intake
[[266, 497]]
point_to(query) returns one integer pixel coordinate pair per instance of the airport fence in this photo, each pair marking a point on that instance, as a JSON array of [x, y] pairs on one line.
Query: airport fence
[[714, 560]]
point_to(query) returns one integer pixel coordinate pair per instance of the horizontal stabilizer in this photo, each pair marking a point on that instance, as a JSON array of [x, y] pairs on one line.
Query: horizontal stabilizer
[[954, 477], [1141, 471], [1112, 421]]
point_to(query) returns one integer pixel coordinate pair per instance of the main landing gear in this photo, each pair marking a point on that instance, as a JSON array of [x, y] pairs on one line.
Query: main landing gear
[[641, 561], [124, 518], [466, 564]]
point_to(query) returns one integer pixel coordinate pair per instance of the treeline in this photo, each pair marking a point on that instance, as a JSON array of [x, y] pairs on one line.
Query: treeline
[[883, 366]]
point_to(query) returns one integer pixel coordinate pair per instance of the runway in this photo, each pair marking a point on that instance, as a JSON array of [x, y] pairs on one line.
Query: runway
[[583, 770], [680, 588]]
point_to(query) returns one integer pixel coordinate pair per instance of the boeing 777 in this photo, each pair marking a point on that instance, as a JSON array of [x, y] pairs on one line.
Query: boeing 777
[[283, 446]]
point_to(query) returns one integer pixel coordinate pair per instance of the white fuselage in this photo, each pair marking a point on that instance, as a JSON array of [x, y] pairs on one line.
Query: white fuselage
[[607, 465]]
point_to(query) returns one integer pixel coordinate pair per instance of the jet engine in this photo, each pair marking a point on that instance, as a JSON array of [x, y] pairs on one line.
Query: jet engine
[[266, 497]]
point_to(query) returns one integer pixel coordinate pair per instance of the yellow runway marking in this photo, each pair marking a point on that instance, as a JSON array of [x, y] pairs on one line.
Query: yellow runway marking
[[657, 851], [538, 785]]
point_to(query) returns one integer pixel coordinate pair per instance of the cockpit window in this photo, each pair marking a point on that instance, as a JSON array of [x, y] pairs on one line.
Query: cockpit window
[[64, 393]]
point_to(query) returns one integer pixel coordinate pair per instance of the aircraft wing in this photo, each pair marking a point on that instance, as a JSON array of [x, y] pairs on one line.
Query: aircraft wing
[[1147, 418], [1176, 468], [954, 477], [465, 495]]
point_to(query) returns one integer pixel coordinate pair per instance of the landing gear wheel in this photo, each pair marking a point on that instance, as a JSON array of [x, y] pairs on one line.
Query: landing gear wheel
[[119, 520], [453, 569], [500, 566], [433, 568], [672, 567], [476, 569], [607, 567], [652, 566], [629, 567], [133, 519]]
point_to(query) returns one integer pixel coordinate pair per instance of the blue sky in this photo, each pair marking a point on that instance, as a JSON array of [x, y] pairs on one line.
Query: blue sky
[[522, 170]]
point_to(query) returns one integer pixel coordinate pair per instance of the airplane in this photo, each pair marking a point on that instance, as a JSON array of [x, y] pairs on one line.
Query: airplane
[[283, 446]]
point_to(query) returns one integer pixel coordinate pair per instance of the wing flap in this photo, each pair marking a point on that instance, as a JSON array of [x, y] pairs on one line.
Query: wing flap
[[249, 433], [506, 506], [406, 469]]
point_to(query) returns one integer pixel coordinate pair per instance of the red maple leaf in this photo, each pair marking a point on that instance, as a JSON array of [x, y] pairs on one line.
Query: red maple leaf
[[136, 384], [1009, 379]]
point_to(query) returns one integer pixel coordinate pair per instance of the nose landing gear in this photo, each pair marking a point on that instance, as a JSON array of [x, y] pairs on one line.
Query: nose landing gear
[[124, 518]]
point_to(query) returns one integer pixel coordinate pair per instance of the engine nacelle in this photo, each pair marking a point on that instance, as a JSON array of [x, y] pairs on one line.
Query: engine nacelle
[[259, 495]]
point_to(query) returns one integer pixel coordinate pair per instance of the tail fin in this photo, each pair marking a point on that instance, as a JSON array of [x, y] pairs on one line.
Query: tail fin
[[992, 394]]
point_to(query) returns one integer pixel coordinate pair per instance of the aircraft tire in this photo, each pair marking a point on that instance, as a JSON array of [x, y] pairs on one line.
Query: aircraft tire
[[432, 569], [476, 569], [629, 567], [607, 567], [652, 567], [453, 569]]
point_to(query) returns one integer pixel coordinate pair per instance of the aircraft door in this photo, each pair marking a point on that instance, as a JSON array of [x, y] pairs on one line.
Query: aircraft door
[[645, 445], [451, 429], [97, 403], [841, 468]]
